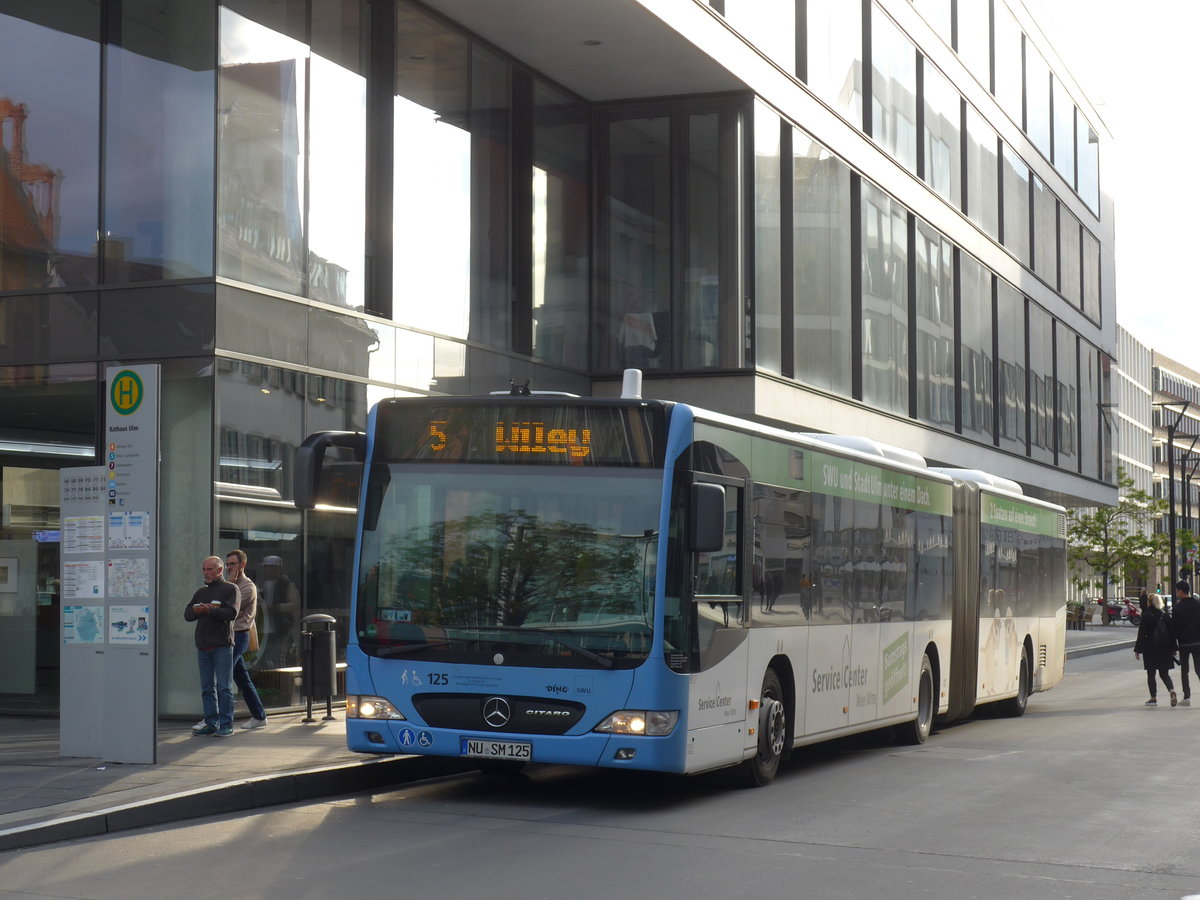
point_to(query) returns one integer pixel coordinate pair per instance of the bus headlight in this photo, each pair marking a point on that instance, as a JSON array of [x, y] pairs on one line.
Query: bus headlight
[[652, 722], [359, 707]]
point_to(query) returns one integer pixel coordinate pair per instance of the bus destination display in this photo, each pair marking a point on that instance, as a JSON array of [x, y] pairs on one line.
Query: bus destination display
[[560, 434]]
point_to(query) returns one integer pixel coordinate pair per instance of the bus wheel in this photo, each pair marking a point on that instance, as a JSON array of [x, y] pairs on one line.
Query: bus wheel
[[772, 735], [1015, 706], [917, 731]]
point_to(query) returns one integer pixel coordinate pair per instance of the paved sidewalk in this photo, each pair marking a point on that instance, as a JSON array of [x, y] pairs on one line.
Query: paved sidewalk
[[45, 798]]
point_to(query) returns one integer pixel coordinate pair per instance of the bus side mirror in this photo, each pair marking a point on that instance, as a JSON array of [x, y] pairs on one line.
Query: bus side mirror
[[707, 519], [311, 455]]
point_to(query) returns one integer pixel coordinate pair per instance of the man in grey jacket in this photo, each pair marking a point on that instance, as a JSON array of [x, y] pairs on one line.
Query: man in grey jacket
[[213, 608]]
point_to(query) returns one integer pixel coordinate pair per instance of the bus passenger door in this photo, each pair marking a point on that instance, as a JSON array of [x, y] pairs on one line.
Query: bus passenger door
[[717, 690]]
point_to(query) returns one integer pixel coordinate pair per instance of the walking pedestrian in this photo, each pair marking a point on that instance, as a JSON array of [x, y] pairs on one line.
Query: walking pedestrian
[[1187, 635], [213, 609], [243, 627], [1156, 648]]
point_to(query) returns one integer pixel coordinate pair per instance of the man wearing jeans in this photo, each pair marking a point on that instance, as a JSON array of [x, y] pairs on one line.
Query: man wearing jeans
[[213, 608], [235, 574]]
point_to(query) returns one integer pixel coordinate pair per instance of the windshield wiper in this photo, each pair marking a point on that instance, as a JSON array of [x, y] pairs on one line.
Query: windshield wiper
[[570, 645]]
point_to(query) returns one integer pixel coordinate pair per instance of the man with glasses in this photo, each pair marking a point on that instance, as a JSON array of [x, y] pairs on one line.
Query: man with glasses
[[235, 574], [213, 608]]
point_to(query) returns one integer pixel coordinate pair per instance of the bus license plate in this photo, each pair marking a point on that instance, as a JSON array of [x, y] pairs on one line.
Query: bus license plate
[[496, 749]]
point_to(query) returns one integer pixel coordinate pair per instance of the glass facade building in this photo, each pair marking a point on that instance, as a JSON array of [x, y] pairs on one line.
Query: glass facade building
[[878, 217]]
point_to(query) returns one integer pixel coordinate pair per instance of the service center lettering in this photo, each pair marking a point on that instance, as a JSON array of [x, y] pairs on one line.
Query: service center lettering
[[838, 679]]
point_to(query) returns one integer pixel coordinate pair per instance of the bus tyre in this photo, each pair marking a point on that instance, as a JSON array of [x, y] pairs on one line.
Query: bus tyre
[[917, 731], [772, 735], [1015, 706]]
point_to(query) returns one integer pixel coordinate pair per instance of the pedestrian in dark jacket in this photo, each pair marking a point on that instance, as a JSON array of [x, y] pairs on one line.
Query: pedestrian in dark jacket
[[213, 608], [1154, 658], [1186, 619]]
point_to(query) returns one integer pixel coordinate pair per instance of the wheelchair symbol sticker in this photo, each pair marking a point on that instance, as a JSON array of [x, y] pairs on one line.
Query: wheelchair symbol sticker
[[425, 739]]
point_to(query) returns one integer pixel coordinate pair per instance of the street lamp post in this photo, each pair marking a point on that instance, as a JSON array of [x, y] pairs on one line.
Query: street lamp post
[[1183, 405]]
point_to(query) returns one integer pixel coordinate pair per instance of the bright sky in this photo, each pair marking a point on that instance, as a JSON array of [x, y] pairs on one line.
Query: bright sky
[[1136, 61]]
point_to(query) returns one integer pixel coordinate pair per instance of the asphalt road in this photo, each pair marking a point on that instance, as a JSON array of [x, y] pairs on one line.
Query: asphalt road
[[1089, 795]]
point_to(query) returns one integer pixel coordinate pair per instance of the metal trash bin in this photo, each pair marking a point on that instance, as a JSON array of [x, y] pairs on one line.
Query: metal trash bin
[[318, 662]]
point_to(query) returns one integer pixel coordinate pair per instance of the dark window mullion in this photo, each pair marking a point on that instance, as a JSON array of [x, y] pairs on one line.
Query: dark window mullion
[[522, 212]]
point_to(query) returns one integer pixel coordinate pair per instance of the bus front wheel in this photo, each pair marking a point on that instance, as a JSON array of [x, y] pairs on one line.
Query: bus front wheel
[[917, 731], [762, 768]]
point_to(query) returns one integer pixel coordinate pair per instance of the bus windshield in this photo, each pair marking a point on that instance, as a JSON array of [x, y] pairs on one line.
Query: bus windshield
[[509, 565]]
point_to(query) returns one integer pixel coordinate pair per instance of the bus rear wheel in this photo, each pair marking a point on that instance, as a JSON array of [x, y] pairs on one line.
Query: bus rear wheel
[[762, 768], [917, 731], [1015, 706]]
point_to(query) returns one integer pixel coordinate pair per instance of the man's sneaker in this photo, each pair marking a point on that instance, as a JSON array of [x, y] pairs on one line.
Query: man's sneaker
[[254, 723], [207, 729], [1152, 702], [1174, 699], [199, 725], [1186, 701], [227, 731]]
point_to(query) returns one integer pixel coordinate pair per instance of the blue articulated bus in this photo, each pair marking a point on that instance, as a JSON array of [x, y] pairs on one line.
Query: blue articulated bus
[[642, 584]]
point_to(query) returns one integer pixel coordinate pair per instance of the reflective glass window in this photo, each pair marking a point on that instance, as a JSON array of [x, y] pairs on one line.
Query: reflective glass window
[[770, 25], [711, 306], [1010, 343], [160, 90], [49, 134], [835, 55], [432, 170], [1009, 76], [337, 154], [1070, 281], [975, 312], [768, 341], [1066, 370], [560, 231], [821, 253], [893, 90], [261, 126], [1091, 276], [261, 414], [1045, 232], [1016, 204], [1064, 131], [937, 14], [635, 326], [54, 327], [884, 301], [47, 422], [1037, 99], [943, 128], [983, 189], [1041, 384], [1087, 156], [975, 38], [935, 327]]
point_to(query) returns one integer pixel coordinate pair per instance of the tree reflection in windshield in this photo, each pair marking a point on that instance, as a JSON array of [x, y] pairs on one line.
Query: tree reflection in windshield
[[444, 561]]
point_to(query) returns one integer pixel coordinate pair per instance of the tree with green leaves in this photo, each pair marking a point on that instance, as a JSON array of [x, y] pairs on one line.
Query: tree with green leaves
[[1115, 541]]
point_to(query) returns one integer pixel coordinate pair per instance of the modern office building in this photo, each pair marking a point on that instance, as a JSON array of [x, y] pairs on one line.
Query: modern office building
[[1176, 423], [879, 217]]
